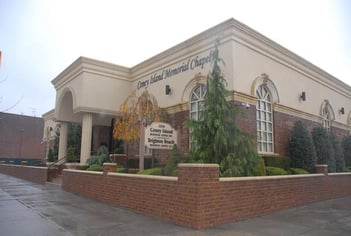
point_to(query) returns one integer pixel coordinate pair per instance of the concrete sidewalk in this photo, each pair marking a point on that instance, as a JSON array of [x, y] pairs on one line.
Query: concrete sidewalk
[[31, 209]]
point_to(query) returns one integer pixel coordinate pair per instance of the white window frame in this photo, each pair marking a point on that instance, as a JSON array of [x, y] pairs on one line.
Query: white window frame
[[264, 120], [197, 102]]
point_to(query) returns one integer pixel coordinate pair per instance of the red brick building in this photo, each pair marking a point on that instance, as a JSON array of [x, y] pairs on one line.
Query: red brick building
[[21, 137]]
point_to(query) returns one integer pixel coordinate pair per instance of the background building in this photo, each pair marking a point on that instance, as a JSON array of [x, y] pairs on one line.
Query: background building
[[21, 137]]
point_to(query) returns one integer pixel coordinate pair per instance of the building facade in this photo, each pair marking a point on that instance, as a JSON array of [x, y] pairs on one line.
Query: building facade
[[21, 137], [274, 86]]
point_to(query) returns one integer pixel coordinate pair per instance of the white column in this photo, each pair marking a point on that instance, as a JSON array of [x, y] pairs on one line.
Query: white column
[[87, 127], [141, 146], [63, 140]]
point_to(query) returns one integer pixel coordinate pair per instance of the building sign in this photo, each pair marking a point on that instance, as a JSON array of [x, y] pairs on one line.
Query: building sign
[[188, 64], [160, 135]]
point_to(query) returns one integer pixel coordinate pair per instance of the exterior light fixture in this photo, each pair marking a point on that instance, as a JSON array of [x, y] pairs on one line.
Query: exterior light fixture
[[342, 111], [168, 90], [303, 96]]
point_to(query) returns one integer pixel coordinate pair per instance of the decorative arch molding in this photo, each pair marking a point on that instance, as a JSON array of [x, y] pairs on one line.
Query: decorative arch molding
[[349, 118], [197, 80], [66, 98], [64, 92], [263, 79], [326, 107]]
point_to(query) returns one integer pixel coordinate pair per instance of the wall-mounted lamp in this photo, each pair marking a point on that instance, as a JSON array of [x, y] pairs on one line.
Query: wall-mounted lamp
[[245, 104], [342, 111], [303, 96], [168, 90]]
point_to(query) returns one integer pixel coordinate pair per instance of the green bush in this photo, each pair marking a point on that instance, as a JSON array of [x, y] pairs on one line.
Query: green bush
[[173, 159], [324, 148], [301, 148], [153, 171], [346, 146], [82, 167], [271, 170], [339, 155], [121, 170], [51, 155], [277, 161], [70, 157], [95, 168], [260, 168], [297, 171], [101, 158]]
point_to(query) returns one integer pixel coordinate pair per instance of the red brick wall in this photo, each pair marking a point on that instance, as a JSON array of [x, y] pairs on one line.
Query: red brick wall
[[21, 136], [198, 198], [30, 173]]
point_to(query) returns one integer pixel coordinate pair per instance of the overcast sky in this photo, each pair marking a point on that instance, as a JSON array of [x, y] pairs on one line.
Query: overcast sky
[[40, 38]]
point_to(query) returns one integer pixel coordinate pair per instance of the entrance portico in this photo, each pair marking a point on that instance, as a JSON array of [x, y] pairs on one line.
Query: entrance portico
[[81, 98]]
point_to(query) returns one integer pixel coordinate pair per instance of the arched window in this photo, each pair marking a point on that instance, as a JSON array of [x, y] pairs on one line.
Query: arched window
[[328, 115], [197, 103], [264, 118]]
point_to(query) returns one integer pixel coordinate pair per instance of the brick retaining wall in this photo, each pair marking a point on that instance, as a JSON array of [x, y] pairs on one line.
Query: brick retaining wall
[[30, 173], [198, 198]]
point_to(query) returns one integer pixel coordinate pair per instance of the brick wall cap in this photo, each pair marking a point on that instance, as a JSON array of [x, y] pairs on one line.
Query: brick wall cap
[[109, 164], [118, 155], [202, 165], [84, 171], [322, 165], [340, 173], [20, 166], [155, 177], [228, 179]]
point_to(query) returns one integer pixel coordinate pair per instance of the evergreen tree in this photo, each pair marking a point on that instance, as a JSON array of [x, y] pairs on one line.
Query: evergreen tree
[[346, 146], [301, 149], [324, 148], [217, 137], [339, 155]]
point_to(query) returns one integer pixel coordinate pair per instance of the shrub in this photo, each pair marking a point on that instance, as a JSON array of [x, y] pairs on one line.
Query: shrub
[[153, 171], [121, 170], [346, 146], [174, 158], [260, 168], [301, 148], [82, 167], [339, 155], [277, 161], [270, 170], [324, 148], [100, 159], [50, 155], [297, 171], [95, 168], [70, 157]]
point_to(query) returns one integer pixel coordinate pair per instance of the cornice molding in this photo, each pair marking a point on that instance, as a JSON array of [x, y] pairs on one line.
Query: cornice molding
[[84, 64], [49, 115]]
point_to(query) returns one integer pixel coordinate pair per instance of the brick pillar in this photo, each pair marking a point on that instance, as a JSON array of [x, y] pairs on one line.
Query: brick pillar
[[109, 167], [322, 169], [199, 185]]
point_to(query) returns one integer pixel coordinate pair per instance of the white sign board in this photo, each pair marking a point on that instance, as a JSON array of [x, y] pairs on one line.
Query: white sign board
[[160, 135]]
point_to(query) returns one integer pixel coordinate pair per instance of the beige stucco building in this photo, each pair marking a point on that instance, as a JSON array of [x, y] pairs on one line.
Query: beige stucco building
[[275, 87]]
